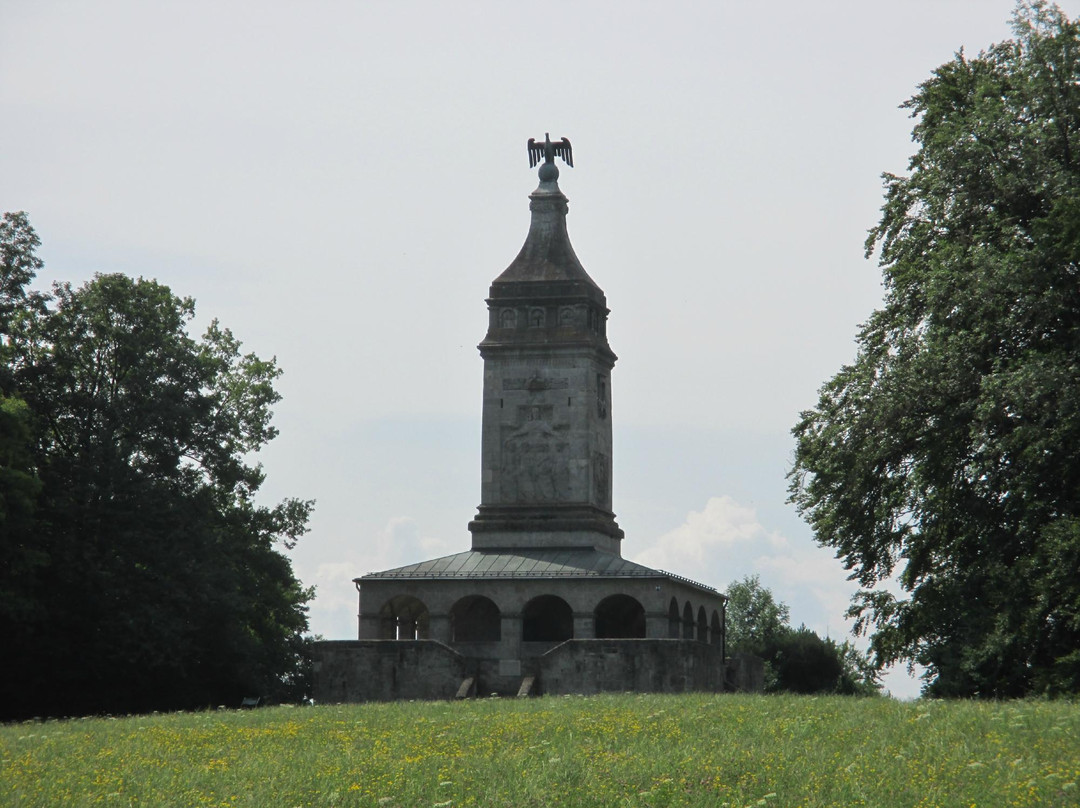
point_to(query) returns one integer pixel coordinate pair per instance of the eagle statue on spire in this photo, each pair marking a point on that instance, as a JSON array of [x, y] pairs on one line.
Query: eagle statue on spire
[[547, 151]]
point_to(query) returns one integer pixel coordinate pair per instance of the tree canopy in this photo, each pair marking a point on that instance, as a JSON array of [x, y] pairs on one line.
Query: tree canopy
[[753, 618], [947, 455], [144, 574]]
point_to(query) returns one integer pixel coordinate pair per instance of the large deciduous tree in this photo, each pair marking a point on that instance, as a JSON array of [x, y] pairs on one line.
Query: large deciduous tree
[[948, 454], [149, 577]]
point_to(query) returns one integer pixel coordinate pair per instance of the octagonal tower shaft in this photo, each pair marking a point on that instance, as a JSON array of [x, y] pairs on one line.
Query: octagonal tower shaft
[[546, 439]]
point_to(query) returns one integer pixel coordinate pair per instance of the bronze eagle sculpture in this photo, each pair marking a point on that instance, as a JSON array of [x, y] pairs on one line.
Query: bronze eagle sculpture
[[547, 151]]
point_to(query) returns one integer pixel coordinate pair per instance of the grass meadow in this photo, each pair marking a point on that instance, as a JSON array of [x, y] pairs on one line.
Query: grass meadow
[[612, 750]]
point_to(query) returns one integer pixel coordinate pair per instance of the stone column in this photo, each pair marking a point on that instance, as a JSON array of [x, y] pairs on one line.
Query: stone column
[[510, 628], [439, 627], [584, 626], [369, 627], [656, 625]]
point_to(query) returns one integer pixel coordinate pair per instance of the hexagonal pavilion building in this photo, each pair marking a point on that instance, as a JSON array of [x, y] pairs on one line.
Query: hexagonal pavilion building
[[543, 601]]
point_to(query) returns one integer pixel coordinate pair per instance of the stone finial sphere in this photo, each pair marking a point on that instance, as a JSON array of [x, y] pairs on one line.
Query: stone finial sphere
[[548, 172]]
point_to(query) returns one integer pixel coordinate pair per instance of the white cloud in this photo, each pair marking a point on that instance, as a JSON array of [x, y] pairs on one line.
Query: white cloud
[[723, 526], [725, 542]]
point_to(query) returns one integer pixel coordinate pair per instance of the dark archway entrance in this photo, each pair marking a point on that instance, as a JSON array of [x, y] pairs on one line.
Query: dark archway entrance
[[403, 618], [619, 616], [475, 618], [547, 618], [673, 621], [716, 630]]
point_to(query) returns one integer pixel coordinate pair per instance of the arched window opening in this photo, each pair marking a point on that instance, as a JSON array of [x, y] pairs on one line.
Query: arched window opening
[[547, 619], [702, 625], [688, 622], [403, 618], [716, 629], [673, 620], [475, 619], [619, 617]]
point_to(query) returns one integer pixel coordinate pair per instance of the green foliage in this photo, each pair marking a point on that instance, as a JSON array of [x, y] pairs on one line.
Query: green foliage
[[802, 662], [18, 265], [948, 454], [753, 617], [142, 553], [692, 750], [796, 660]]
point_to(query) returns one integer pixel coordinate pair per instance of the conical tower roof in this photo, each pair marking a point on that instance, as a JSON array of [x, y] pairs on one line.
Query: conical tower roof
[[547, 272], [547, 255]]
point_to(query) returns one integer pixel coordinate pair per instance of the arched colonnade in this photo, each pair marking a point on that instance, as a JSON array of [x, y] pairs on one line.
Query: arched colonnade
[[546, 618]]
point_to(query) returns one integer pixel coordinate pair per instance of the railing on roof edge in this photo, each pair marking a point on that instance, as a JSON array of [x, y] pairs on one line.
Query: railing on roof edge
[[550, 574]]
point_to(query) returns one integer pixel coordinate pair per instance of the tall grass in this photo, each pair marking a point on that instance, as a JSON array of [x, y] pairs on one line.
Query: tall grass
[[628, 750]]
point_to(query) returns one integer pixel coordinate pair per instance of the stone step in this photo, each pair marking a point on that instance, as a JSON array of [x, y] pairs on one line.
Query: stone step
[[526, 686], [467, 689]]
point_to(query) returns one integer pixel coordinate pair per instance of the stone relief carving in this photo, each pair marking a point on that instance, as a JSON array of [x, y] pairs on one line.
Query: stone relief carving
[[535, 383], [535, 465]]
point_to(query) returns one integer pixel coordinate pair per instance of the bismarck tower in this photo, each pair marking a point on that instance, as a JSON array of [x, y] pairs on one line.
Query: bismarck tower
[[546, 456], [543, 602]]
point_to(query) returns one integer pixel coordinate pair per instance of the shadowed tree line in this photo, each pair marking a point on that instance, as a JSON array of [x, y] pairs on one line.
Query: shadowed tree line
[[139, 572]]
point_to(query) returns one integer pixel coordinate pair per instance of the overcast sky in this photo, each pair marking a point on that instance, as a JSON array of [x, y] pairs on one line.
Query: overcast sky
[[339, 183]]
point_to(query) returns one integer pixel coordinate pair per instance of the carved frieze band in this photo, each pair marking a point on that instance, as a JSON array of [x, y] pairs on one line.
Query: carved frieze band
[[535, 384]]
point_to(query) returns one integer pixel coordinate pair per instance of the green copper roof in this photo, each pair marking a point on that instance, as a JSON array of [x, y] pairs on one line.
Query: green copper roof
[[523, 563]]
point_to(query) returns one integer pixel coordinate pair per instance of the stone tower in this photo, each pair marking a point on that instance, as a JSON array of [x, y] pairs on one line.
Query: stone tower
[[543, 601], [546, 447]]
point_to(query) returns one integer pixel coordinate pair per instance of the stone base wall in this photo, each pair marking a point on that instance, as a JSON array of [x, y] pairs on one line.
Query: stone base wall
[[386, 670], [389, 670], [640, 666]]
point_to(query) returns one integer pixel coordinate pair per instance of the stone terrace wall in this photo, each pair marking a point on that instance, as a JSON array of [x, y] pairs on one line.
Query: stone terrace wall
[[746, 673], [642, 666], [386, 670]]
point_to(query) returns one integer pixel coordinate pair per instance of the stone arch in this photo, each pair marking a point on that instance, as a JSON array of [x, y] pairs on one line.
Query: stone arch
[[702, 625], [475, 618], [403, 618], [507, 318], [716, 629], [620, 617], [547, 618], [688, 621], [673, 619]]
